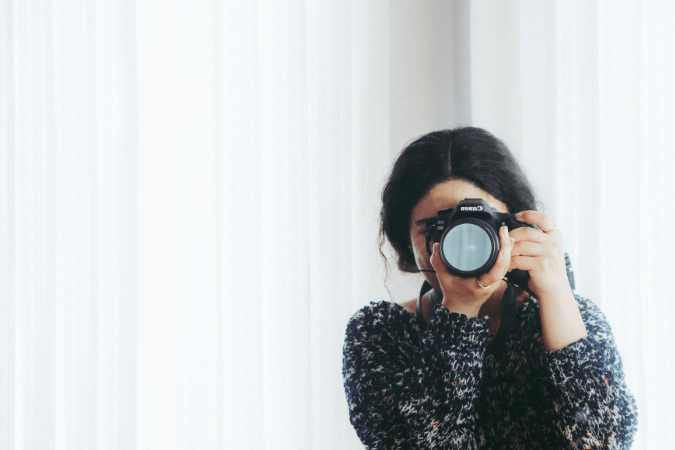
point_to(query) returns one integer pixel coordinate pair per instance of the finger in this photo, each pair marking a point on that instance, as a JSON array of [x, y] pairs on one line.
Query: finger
[[527, 248], [530, 263], [526, 263], [435, 257], [538, 218], [503, 262], [528, 234]]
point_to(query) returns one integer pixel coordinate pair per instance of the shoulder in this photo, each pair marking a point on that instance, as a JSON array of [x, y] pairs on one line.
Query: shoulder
[[381, 329], [379, 315]]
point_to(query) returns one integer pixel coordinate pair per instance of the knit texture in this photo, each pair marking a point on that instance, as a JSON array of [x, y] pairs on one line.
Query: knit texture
[[440, 386]]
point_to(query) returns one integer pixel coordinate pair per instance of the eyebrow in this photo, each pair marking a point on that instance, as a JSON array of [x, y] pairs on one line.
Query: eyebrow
[[424, 221]]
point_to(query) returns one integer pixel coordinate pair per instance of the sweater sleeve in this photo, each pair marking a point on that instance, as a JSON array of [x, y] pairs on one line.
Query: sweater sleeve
[[592, 406], [406, 391]]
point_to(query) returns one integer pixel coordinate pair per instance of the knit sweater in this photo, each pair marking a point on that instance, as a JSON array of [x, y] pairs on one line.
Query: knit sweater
[[412, 386]]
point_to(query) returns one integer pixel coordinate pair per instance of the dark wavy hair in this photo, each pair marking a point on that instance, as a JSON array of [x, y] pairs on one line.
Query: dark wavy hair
[[469, 154]]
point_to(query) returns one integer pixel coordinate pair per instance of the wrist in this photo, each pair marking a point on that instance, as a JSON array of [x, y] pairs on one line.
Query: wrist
[[561, 321], [562, 294]]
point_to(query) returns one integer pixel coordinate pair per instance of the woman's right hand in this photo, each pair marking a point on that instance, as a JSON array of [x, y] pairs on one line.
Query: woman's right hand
[[464, 295]]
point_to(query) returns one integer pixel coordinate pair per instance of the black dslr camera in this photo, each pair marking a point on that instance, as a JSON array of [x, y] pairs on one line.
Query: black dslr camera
[[469, 239]]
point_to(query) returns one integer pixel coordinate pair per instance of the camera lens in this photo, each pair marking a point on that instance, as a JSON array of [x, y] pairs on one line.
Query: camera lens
[[467, 247]]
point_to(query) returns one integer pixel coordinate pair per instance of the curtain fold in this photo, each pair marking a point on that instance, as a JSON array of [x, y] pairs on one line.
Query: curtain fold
[[189, 217]]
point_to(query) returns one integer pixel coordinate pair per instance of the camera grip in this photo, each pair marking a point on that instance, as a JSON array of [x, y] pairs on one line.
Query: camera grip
[[519, 277]]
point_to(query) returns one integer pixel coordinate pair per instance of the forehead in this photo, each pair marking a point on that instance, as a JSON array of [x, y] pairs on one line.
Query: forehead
[[448, 195]]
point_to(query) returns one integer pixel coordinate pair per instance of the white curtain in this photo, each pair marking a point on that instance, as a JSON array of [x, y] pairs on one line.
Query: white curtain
[[189, 211], [189, 198]]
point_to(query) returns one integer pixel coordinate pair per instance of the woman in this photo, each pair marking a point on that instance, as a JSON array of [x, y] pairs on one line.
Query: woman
[[425, 374]]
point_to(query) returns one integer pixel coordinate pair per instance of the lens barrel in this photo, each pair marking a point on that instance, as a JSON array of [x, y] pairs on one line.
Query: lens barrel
[[469, 247]]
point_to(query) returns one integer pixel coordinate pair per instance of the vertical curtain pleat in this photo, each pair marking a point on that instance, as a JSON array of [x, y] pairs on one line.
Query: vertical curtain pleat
[[75, 224], [538, 77], [116, 223], [7, 228], [573, 147], [178, 311], [496, 102], [329, 131], [35, 230], [242, 224], [281, 263]]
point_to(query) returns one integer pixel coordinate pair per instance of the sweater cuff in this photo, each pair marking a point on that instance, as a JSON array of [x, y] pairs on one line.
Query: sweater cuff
[[451, 331], [571, 364]]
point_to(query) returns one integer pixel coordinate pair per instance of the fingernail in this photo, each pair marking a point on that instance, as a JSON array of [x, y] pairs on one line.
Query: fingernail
[[519, 215]]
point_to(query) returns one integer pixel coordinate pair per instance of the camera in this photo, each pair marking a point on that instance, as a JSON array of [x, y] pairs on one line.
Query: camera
[[469, 238]]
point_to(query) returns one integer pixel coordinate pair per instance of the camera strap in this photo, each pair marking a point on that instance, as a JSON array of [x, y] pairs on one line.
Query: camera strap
[[426, 287], [507, 318]]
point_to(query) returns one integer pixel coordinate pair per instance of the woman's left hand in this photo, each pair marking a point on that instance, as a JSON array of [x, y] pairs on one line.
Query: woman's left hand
[[541, 254]]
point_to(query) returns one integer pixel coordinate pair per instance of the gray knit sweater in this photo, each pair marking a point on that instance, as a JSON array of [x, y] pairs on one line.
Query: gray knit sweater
[[411, 386]]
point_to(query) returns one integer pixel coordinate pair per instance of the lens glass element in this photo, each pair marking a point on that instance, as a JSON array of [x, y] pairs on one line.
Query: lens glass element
[[467, 247]]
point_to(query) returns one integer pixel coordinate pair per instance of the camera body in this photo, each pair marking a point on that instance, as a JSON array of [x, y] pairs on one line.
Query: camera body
[[469, 238]]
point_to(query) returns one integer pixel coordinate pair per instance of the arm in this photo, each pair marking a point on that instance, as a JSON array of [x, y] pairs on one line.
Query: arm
[[405, 396], [591, 404], [561, 321], [542, 255]]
